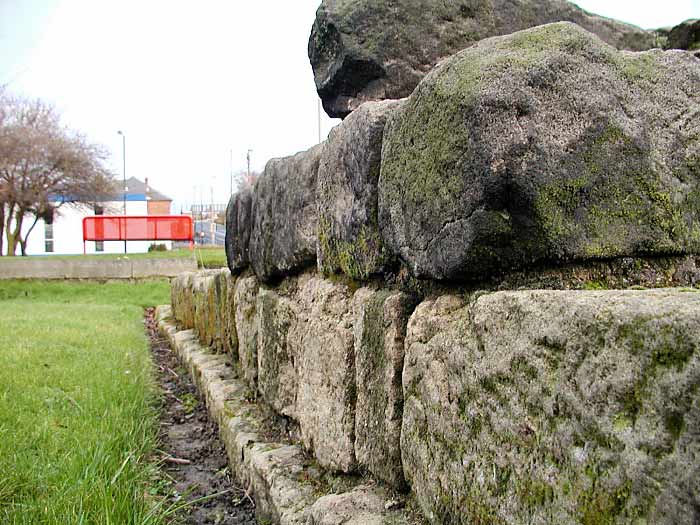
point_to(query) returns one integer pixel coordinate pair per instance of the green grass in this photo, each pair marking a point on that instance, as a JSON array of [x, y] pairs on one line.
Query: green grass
[[78, 405], [206, 257]]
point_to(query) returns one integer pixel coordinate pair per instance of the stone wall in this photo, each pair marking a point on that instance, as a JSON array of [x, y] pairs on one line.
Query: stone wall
[[449, 295], [525, 406]]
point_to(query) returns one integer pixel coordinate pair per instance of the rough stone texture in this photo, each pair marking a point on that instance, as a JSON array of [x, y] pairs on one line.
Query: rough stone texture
[[283, 236], [182, 299], [545, 145], [238, 227], [245, 293], [685, 36], [555, 407], [364, 50], [205, 291], [278, 475], [380, 327], [277, 375], [325, 364], [228, 338], [348, 233], [307, 366], [364, 505]]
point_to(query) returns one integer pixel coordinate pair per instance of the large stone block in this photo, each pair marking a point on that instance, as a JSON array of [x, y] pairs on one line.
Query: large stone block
[[182, 299], [244, 299], [283, 236], [206, 291], [325, 364], [306, 363], [348, 232], [227, 338], [277, 376], [555, 407], [238, 227], [545, 145], [364, 50], [380, 319]]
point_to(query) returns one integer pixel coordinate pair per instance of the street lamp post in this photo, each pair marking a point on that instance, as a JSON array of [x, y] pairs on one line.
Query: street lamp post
[[124, 181]]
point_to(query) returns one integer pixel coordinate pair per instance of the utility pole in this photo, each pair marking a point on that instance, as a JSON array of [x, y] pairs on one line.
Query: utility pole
[[124, 180], [248, 157]]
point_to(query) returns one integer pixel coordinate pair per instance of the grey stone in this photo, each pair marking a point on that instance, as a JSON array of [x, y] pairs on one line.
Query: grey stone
[[238, 227], [227, 313], [348, 233], [306, 364], [380, 327], [364, 505], [554, 407], [325, 365], [546, 145], [277, 375], [245, 294], [182, 299], [283, 236], [364, 50]]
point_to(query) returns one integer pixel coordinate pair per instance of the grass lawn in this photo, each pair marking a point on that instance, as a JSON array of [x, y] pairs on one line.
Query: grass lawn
[[78, 406], [208, 257]]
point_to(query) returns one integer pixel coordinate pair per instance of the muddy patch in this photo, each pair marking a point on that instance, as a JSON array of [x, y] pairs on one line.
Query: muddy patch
[[195, 466]]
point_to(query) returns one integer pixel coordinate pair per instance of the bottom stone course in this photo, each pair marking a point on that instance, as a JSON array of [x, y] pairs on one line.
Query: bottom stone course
[[276, 474]]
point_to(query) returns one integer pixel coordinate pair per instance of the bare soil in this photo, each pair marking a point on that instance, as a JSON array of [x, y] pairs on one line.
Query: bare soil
[[195, 465]]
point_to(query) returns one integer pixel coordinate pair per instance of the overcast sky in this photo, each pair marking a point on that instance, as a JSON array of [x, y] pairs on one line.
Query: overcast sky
[[188, 82]]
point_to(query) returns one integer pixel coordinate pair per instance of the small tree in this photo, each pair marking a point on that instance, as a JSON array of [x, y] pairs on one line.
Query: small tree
[[43, 166], [244, 180]]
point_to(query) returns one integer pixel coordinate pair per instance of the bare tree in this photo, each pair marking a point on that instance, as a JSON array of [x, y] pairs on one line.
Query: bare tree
[[43, 166], [244, 180]]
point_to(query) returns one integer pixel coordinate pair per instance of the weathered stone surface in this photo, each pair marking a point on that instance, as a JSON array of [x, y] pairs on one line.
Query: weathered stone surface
[[364, 50], [182, 299], [205, 298], [545, 145], [227, 313], [275, 478], [685, 36], [277, 375], [245, 293], [348, 233], [283, 236], [238, 227], [380, 319], [555, 407], [364, 505], [325, 364], [306, 364]]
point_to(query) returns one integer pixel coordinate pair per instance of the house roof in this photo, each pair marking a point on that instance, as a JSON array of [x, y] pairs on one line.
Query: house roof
[[139, 190], [136, 191]]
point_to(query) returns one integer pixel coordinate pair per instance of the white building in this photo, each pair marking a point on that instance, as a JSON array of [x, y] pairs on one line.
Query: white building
[[63, 235]]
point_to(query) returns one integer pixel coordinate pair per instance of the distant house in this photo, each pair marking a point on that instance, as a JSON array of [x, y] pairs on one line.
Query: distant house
[[63, 233]]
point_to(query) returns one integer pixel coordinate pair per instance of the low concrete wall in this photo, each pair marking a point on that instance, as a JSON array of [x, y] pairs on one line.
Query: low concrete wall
[[49, 268]]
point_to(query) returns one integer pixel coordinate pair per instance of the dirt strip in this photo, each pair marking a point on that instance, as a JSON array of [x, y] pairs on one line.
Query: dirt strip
[[194, 459]]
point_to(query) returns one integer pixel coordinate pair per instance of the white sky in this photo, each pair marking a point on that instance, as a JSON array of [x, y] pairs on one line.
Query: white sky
[[190, 81]]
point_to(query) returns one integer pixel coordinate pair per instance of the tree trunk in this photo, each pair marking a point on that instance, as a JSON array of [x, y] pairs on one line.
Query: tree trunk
[[2, 227], [23, 241], [13, 234]]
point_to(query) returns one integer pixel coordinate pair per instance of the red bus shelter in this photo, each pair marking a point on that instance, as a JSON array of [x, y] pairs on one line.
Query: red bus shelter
[[138, 228]]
